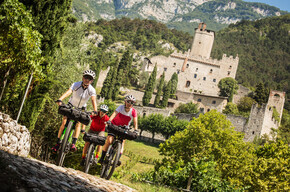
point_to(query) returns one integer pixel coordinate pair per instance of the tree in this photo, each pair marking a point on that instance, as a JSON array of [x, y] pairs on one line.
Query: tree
[[187, 108], [125, 65], [107, 83], [231, 108], [149, 87], [174, 82], [228, 87], [166, 95], [245, 104], [19, 43], [143, 79], [159, 91], [261, 94]]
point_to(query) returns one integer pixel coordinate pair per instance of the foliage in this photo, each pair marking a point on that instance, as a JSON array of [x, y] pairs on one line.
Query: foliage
[[159, 90], [276, 115], [143, 79], [149, 87], [187, 108], [174, 81], [125, 65], [231, 108], [228, 87], [245, 104], [211, 136], [284, 129], [271, 171], [262, 46], [261, 94], [166, 94]]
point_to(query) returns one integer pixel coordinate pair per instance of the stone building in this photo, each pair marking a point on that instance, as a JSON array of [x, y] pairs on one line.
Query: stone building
[[197, 72]]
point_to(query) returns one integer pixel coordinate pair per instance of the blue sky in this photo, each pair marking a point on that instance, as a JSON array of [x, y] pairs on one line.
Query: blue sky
[[281, 4]]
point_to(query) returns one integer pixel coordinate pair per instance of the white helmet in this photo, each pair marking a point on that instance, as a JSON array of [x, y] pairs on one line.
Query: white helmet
[[90, 73], [130, 98], [104, 108]]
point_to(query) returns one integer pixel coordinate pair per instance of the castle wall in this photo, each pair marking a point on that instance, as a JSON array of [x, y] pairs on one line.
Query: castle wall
[[207, 103], [102, 77], [238, 122], [269, 121], [241, 92], [145, 111], [255, 122]]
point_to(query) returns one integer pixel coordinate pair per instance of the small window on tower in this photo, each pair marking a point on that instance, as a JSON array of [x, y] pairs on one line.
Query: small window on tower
[[187, 65], [165, 69], [204, 78], [174, 64], [230, 67], [213, 102], [214, 80], [196, 69], [210, 71], [199, 42], [187, 84], [178, 71], [229, 72], [208, 110], [199, 100], [195, 75]]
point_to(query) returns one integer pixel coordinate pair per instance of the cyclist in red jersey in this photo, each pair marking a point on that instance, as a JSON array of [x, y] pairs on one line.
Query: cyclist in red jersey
[[122, 116], [97, 127]]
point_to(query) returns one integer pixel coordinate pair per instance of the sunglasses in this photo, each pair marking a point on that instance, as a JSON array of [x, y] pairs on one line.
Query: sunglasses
[[130, 102], [88, 77], [103, 111]]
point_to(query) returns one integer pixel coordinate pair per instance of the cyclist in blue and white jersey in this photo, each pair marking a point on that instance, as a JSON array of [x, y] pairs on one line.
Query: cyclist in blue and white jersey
[[81, 92]]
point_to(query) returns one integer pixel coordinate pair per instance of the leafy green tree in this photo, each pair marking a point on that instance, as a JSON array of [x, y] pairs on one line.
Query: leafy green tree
[[245, 104], [107, 83], [149, 87], [231, 108], [172, 125], [116, 88], [187, 108], [143, 79], [210, 136], [152, 123], [159, 90], [112, 83], [228, 87], [19, 46], [166, 95], [125, 65], [261, 94], [271, 167], [284, 129], [174, 81]]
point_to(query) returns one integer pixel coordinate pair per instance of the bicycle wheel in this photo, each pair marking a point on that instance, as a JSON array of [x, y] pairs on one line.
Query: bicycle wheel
[[89, 158], [114, 159], [61, 154], [105, 164]]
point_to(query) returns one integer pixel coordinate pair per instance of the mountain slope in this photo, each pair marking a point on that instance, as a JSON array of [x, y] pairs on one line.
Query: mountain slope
[[179, 14]]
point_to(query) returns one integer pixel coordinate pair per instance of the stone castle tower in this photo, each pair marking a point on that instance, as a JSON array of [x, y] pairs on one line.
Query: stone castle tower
[[261, 119], [202, 42]]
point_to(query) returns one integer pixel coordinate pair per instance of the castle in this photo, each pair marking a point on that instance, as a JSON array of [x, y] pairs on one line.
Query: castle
[[198, 77]]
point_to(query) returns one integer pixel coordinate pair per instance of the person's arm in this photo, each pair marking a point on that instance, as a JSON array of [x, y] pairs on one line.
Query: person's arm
[[65, 95], [94, 102], [135, 123], [113, 115]]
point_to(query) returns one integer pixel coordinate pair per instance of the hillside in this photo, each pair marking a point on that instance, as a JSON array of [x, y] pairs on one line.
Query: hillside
[[178, 14], [263, 48]]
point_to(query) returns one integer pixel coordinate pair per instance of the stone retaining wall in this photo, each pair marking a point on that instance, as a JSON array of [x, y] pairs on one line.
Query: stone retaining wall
[[14, 138]]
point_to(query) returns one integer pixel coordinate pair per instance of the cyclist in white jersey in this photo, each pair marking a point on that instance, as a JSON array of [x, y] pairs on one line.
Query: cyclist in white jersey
[[81, 92]]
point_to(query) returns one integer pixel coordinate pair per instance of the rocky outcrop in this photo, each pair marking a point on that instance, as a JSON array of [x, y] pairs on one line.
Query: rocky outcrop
[[24, 174], [14, 138]]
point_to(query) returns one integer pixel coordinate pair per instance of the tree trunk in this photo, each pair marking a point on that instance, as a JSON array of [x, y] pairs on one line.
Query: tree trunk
[[189, 180], [4, 82]]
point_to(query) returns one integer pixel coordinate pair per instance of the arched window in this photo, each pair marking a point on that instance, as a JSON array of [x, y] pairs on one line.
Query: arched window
[[213, 102], [187, 65], [208, 110], [187, 84], [174, 64], [210, 71], [199, 100]]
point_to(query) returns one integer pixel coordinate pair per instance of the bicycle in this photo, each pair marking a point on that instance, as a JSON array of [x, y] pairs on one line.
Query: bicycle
[[113, 153], [94, 141], [73, 116]]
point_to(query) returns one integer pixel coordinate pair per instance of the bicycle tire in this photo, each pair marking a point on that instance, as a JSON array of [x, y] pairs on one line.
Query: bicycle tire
[[105, 164], [115, 158], [90, 156], [62, 154]]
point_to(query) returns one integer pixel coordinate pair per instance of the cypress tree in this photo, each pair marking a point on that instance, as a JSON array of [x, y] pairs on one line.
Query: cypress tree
[[125, 65], [116, 87], [174, 81], [159, 92], [166, 94], [149, 87], [113, 82], [261, 94]]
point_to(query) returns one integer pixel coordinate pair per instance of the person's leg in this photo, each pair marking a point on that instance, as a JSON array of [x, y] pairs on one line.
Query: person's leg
[[99, 148], [75, 136], [109, 141], [85, 150], [122, 149], [60, 131]]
